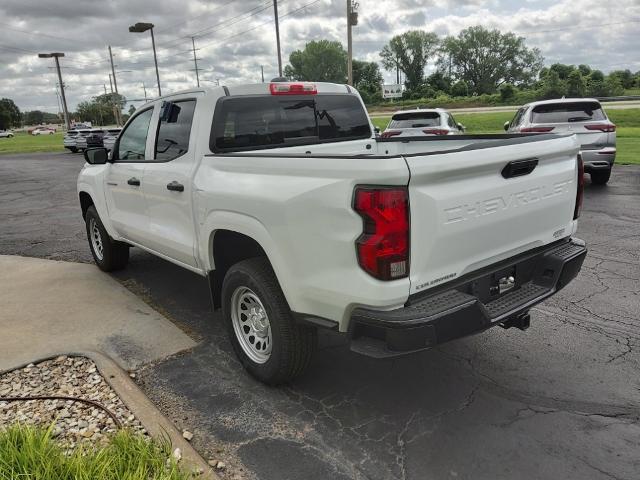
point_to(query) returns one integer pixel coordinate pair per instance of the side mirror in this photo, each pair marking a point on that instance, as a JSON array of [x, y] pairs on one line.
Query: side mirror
[[376, 130], [96, 156], [461, 127], [506, 126]]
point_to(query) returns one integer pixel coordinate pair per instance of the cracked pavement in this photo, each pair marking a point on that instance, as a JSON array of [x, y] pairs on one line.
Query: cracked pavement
[[561, 400]]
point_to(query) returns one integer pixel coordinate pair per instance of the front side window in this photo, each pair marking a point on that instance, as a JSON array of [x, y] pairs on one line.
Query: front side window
[[174, 129], [133, 140], [257, 122], [517, 119]]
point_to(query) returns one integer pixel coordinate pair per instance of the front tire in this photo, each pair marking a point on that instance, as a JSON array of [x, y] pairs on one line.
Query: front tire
[[108, 254], [271, 346], [600, 177]]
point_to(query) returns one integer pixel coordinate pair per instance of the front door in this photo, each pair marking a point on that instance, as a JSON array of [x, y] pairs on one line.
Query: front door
[[125, 177], [168, 185]]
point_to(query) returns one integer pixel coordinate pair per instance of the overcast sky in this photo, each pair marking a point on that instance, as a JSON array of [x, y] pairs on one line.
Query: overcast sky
[[235, 38]]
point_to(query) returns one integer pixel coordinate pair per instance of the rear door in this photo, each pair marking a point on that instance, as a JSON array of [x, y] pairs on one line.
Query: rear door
[[465, 214], [416, 124], [125, 176], [168, 187]]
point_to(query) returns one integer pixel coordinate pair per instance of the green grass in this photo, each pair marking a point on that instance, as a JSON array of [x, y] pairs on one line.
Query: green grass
[[30, 453], [627, 122], [25, 143]]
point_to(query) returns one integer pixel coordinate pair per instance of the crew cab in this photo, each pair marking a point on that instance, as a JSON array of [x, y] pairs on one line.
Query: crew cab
[[282, 196]]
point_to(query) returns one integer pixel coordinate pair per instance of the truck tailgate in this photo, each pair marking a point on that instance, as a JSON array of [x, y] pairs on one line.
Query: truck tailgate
[[465, 214]]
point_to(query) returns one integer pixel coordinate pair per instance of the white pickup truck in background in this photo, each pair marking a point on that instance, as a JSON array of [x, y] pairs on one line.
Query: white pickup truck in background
[[282, 196]]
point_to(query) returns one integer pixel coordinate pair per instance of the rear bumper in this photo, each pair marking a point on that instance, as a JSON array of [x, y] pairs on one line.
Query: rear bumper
[[601, 159], [465, 308]]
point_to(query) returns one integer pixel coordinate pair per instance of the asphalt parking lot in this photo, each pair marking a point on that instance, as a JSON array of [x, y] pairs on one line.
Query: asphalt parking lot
[[559, 401]]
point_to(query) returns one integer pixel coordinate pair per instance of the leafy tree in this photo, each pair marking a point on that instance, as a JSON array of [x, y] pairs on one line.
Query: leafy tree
[[34, 117], [486, 59], [410, 53], [9, 114], [507, 92], [439, 81], [552, 86], [625, 77], [576, 86], [320, 61], [460, 89], [596, 76], [100, 110], [585, 70], [563, 70], [368, 80]]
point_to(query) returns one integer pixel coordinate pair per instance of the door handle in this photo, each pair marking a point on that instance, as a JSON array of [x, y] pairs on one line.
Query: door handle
[[134, 181], [175, 187]]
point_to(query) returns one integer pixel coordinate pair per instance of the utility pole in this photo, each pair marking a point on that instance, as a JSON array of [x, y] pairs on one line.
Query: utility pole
[[113, 105], [145, 91], [116, 108], [105, 88], [275, 12], [55, 56], [352, 20], [195, 60], [262, 72]]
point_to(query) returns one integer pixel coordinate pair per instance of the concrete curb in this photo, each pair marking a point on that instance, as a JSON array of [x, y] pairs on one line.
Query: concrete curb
[[151, 418]]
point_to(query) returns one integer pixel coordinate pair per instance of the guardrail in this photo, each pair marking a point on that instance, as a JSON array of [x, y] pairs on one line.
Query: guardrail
[[621, 98]]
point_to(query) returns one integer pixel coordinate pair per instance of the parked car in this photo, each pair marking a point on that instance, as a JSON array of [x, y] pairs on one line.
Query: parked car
[[69, 140], [420, 122], [6, 134], [81, 139], [43, 131], [110, 138], [583, 117], [301, 219], [94, 139]]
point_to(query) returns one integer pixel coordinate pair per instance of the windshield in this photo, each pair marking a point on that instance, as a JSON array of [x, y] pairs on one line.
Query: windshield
[[567, 112], [415, 120]]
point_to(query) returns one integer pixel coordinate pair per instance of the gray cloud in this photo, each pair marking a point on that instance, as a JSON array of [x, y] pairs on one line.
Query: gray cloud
[[236, 37]]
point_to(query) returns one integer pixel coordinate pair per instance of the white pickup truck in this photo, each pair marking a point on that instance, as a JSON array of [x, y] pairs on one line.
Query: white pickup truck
[[301, 218]]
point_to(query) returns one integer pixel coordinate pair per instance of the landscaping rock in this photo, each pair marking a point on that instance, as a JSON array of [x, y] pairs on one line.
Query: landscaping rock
[[74, 422]]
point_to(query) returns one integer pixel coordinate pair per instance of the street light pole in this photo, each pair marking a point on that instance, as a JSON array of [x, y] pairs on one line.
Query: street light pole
[[352, 20], [275, 11], [143, 27], [55, 56]]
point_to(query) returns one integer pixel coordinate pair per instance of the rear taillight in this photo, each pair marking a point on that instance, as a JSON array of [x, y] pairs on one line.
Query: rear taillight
[[580, 190], [293, 89], [536, 129], [383, 247], [435, 131], [390, 133], [602, 127]]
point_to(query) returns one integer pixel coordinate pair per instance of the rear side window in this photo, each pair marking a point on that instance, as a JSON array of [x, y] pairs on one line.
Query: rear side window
[[567, 112], [415, 120], [258, 122], [174, 129]]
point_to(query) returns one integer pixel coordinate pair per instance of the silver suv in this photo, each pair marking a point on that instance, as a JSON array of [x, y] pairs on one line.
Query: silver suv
[[582, 116], [421, 122]]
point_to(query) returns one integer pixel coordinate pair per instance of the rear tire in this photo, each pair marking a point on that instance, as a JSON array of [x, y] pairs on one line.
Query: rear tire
[[73, 150], [600, 177], [108, 254], [271, 346]]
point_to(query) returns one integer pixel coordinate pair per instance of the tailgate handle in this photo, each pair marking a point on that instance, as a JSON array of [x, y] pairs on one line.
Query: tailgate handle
[[518, 168]]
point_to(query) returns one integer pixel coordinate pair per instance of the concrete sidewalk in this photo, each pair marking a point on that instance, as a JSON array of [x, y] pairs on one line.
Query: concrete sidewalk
[[49, 307]]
